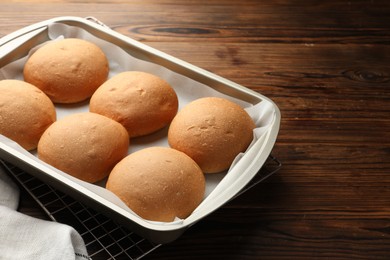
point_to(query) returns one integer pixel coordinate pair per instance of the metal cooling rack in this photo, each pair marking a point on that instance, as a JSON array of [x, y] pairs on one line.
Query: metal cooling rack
[[104, 238]]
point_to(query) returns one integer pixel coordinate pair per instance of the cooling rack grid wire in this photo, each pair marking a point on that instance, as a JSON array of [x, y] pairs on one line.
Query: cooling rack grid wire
[[104, 238]]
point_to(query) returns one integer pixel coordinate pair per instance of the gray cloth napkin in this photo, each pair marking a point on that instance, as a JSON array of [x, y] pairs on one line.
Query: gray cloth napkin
[[25, 237]]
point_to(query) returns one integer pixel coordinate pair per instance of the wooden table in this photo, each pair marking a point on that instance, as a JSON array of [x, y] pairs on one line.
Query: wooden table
[[327, 66]]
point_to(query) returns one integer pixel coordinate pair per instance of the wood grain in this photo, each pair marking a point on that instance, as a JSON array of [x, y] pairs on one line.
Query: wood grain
[[326, 65]]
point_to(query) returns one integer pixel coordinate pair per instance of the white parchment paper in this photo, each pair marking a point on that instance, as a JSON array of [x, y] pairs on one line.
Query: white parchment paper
[[187, 90]]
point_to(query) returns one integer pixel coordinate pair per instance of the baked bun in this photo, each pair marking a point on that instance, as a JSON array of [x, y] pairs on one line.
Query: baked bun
[[158, 183], [67, 70], [143, 103], [84, 145], [212, 131], [25, 112]]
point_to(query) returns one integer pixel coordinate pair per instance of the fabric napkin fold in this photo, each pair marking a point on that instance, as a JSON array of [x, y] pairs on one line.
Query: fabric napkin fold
[[25, 237]]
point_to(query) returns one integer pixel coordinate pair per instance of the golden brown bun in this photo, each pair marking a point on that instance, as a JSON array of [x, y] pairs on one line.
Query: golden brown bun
[[141, 102], [158, 183], [212, 131], [25, 112], [67, 70], [84, 145]]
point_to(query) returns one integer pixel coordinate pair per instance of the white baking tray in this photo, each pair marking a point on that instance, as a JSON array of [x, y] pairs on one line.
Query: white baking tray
[[190, 82]]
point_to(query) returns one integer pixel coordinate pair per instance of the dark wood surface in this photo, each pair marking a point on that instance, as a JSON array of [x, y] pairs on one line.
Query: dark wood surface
[[327, 66]]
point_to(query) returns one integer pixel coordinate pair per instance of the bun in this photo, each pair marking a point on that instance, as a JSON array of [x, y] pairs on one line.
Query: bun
[[84, 145], [212, 131], [141, 102], [67, 70], [25, 112], [158, 183]]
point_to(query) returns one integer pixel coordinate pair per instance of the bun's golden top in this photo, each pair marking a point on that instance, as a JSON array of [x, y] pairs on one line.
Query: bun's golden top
[[25, 112], [212, 131], [143, 103], [158, 183], [84, 145], [67, 70]]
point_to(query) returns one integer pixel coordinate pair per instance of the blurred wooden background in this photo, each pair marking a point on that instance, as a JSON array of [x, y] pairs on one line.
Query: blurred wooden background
[[327, 66]]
